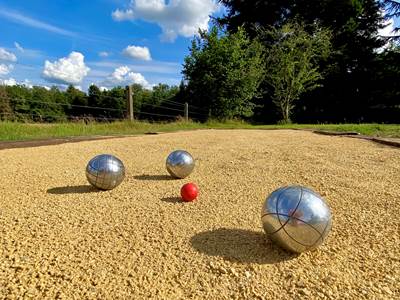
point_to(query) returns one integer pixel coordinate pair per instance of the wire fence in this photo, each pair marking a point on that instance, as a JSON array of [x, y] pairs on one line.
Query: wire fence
[[22, 109], [40, 117], [40, 110], [66, 104]]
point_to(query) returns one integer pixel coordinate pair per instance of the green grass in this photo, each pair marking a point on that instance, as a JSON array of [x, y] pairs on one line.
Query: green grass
[[11, 131], [376, 130]]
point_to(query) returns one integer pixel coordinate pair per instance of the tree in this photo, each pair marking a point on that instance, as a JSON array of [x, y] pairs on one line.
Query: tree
[[60, 100], [78, 99], [163, 92], [292, 63], [223, 73], [116, 100], [351, 21], [354, 25], [95, 99], [253, 14], [158, 103], [140, 96], [94, 96], [5, 108], [383, 100], [44, 106], [20, 98]]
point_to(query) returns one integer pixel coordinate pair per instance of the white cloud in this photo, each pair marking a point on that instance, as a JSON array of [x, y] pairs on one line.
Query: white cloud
[[103, 88], [104, 54], [8, 56], [137, 52], [19, 18], [68, 70], [119, 73], [387, 31], [5, 69], [27, 83], [175, 17], [18, 46], [123, 76], [162, 67], [120, 15], [31, 54], [10, 81]]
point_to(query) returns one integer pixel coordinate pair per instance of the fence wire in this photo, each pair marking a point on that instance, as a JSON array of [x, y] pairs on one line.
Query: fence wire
[[165, 105], [67, 104]]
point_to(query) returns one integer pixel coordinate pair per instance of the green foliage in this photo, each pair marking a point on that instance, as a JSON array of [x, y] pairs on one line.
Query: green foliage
[[344, 93], [148, 101], [140, 95], [254, 14], [116, 100], [292, 63], [22, 103], [5, 107], [384, 84], [163, 92], [43, 105], [94, 96], [223, 73]]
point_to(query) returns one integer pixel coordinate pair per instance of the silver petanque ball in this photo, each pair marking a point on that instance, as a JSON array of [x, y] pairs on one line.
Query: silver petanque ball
[[296, 218], [105, 171], [180, 164]]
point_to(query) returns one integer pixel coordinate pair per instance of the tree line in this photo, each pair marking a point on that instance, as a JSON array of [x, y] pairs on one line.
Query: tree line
[[21, 103]]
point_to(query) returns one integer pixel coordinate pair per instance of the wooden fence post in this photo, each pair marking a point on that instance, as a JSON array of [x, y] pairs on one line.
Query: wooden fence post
[[129, 103], [186, 112]]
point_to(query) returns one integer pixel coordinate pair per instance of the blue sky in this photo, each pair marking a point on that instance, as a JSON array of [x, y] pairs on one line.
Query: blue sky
[[106, 42]]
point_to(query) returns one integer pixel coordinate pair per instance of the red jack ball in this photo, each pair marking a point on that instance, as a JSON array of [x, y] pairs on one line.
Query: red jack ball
[[189, 192]]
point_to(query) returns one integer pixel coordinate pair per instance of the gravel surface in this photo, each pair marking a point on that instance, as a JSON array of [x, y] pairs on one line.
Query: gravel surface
[[60, 238]]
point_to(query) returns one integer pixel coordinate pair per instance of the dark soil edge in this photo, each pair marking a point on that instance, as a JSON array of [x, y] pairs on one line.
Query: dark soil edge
[[51, 141], [385, 141]]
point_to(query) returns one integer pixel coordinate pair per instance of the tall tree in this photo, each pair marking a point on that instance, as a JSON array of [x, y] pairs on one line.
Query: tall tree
[[354, 25], [292, 63], [223, 73], [254, 13], [95, 100], [94, 96], [383, 97]]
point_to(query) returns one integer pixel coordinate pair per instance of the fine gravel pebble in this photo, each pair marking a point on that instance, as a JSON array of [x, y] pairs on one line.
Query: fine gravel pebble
[[60, 238]]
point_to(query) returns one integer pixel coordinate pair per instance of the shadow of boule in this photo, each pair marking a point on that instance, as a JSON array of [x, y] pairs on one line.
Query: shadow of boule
[[238, 245], [172, 200], [75, 189]]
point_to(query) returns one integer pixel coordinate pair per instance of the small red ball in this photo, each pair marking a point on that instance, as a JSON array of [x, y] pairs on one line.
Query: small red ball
[[189, 192]]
